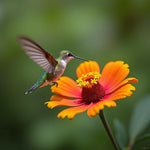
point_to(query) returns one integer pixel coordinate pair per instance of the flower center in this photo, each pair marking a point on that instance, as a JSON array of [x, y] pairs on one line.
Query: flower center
[[89, 79], [92, 90]]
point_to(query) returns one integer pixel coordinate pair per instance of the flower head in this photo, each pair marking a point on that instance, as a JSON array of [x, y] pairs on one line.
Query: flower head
[[92, 90]]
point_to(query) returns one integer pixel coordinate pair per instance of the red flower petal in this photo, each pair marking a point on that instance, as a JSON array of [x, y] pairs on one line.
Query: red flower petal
[[71, 112], [95, 109], [113, 73], [120, 93], [126, 81], [58, 100], [67, 87]]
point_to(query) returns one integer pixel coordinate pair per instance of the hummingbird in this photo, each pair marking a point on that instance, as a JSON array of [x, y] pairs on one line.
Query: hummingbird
[[53, 68]]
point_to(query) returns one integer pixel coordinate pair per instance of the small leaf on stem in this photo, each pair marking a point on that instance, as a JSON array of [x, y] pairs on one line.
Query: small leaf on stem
[[121, 134], [140, 118]]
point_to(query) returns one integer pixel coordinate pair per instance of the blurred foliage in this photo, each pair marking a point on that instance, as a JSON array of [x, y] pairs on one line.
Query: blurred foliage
[[105, 30], [140, 118], [121, 134], [139, 121]]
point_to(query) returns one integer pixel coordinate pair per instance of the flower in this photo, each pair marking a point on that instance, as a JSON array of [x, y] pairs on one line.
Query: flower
[[92, 90]]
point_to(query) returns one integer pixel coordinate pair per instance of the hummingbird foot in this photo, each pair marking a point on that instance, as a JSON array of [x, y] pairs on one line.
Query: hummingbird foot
[[54, 83]]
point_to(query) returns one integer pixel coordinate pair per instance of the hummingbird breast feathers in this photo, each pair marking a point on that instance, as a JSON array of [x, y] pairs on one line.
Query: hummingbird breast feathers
[[59, 69]]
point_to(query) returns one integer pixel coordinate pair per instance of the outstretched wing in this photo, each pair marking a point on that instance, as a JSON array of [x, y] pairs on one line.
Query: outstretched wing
[[38, 54]]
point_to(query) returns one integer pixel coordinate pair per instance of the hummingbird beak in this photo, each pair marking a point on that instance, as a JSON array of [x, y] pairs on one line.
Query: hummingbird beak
[[80, 58]]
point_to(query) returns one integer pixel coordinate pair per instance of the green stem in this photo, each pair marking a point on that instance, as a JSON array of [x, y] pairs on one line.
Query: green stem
[[131, 145], [104, 121]]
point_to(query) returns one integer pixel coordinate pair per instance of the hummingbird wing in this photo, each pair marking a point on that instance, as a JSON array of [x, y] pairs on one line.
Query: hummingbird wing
[[38, 54]]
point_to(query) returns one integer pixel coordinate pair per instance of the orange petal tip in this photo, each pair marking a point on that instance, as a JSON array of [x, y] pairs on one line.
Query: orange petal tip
[[86, 67]]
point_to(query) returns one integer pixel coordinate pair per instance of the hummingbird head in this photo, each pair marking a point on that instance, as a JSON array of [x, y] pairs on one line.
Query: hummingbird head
[[67, 56]]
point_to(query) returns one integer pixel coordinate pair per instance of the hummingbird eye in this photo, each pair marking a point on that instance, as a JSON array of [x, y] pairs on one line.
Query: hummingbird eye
[[69, 54]]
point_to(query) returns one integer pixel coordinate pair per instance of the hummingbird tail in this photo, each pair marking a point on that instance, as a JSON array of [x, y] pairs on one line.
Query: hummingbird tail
[[40, 83], [33, 88]]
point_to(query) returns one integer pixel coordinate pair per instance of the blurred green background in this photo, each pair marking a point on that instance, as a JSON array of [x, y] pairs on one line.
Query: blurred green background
[[105, 30]]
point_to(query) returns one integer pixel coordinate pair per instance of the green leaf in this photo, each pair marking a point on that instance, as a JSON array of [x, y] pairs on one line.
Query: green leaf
[[121, 134], [143, 137], [140, 118]]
